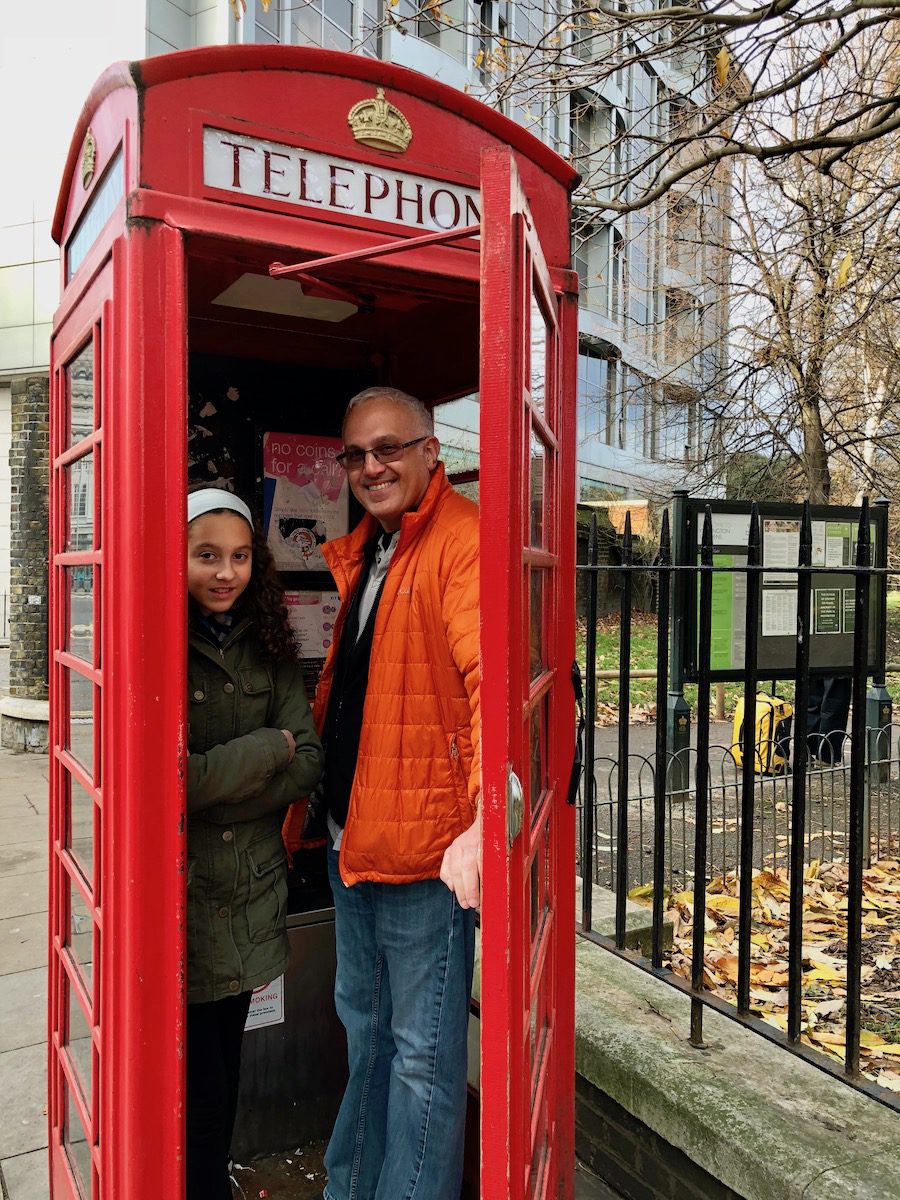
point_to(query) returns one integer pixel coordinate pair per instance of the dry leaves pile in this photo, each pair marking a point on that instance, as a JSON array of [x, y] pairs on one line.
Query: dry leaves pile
[[639, 714], [824, 956]]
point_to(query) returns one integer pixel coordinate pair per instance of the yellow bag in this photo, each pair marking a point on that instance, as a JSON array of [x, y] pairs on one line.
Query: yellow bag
[[771, 734]]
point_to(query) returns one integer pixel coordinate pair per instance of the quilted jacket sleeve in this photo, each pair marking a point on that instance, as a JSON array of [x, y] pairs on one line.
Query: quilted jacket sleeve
[[461, 616], [295, 779]]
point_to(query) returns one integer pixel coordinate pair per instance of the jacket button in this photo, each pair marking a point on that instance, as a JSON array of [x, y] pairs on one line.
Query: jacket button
[[228, 688], [224, 910], [234, 986], [198, 695], [227, 835]]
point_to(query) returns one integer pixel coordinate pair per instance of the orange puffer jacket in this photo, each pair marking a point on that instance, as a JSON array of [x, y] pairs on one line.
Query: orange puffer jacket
[[418, 770]]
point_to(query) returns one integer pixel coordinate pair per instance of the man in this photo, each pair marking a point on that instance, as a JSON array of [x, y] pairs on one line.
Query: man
[[397, 705]]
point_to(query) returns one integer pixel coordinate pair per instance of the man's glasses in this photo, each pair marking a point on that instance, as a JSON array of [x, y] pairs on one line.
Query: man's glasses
[[387, 452]]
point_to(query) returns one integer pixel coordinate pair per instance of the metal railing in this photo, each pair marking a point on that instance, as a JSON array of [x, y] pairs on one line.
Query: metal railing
[[4, 616], [712, 810], [826, 821]]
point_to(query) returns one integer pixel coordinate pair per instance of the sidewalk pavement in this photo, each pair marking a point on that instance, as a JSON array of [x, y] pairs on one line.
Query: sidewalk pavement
[[23, 976]]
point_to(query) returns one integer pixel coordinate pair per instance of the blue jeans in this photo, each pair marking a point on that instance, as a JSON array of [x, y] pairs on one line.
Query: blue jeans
[[405, 955]]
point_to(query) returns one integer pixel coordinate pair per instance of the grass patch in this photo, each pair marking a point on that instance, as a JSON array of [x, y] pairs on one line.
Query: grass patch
[[643, 658]]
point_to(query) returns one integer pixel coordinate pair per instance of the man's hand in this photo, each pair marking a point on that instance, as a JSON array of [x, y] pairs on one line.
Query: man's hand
[[461, 867], [292, 745]]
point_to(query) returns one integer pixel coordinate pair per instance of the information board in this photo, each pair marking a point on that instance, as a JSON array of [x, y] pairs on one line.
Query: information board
[[833, 590]]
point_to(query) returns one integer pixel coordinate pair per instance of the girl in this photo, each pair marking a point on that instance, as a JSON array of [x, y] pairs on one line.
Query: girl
[[253, 750]]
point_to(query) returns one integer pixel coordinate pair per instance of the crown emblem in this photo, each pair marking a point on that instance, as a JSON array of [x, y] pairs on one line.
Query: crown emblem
[[379, 124], [88, 158]]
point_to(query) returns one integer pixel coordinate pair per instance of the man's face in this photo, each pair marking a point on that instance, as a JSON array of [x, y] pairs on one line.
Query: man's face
[[388, 490]]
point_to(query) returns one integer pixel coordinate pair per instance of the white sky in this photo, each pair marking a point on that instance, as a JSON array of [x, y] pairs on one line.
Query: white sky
[[51, 53]]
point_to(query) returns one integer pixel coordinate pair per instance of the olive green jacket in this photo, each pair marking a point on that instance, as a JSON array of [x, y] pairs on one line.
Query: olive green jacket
[[239, 782]]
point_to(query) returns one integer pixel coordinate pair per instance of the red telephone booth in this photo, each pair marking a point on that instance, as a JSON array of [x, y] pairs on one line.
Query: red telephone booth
[[428, 247]]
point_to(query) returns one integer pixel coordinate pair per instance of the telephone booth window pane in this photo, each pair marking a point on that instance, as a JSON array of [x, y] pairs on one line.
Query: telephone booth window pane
[[536, 638], [80, 491], [80, 590], [538, 756], [79, 1043], [535, 897], [538, 1038], [77, 1147], [81, 717], [538, 462], [80, 827], [81, 934], [80, 389], [538, 356], [540, 888]]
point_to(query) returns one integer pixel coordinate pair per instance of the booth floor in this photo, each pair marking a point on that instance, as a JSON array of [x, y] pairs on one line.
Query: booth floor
[[299, 1176]]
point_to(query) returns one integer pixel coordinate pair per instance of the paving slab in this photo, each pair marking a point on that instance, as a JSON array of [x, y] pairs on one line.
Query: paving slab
[[25, 893], [23, 1008], [29, 826], [23, 1099], [26, 1176], [24, 858], [21, 797], [23, 942]]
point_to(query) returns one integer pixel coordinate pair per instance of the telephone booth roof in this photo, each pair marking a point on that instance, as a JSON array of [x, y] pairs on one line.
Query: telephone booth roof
[[152, 120]]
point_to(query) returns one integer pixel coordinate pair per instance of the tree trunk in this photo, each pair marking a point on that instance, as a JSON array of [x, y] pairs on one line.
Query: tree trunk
[[815, 454]]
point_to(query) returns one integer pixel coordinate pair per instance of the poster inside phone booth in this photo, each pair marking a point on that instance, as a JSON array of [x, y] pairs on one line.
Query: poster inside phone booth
[[305, 498]]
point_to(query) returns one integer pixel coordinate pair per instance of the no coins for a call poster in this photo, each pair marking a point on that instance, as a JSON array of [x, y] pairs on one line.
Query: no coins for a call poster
[[305, 498]]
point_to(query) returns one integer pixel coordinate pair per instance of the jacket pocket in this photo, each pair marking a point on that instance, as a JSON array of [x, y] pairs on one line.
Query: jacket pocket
[[457, 771], [268, 892], [256, 697]]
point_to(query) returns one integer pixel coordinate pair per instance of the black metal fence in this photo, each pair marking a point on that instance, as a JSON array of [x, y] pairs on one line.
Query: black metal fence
[[667, 798]]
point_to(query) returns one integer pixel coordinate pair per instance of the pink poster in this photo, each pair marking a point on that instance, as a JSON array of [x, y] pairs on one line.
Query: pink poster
[[306, 497]]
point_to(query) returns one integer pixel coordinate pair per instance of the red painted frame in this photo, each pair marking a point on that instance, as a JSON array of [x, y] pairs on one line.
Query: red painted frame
[[130, 295], [528, 931]]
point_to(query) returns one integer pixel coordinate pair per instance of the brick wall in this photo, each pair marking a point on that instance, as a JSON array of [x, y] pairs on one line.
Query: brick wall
[[632, 1158], [29, 462]]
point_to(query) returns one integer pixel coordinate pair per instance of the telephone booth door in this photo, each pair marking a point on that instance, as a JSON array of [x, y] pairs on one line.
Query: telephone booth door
[[527, 581]]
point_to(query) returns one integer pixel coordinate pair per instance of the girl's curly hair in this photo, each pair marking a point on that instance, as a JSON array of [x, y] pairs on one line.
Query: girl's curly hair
[[263, 602], [263, 599]]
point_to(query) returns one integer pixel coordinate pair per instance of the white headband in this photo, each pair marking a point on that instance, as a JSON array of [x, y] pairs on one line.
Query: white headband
[[209, 499]]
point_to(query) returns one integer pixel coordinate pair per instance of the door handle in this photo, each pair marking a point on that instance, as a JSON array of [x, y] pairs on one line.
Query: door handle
[[515, 806]]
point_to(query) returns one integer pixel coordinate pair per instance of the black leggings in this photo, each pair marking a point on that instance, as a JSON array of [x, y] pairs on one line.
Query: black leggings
[[214, 1035]]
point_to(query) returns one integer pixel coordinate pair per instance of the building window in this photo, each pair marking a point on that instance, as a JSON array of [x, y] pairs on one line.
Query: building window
[[598, 394], [683, 117], [684, 242], [597, 140], [682, 324], [334, 24], [677, 426], [327, 23], [633, 423], [598, 256], [267, 26]]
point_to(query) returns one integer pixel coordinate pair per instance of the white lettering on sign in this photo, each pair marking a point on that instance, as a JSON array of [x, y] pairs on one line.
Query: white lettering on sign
[[253, 167]]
